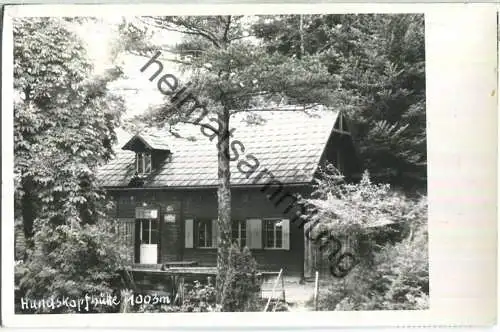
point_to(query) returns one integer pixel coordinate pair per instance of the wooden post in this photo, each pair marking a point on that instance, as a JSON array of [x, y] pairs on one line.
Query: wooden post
[[308, 256], [316, 291], [283, 287], [181, 289]]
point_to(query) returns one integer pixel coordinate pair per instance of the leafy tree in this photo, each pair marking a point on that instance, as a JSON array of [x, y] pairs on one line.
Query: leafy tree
[[229, 72], [380, 63], [64, 120]]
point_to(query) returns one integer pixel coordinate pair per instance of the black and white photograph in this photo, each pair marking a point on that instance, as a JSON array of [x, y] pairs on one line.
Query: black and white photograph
[[220, 163], [271, 163]]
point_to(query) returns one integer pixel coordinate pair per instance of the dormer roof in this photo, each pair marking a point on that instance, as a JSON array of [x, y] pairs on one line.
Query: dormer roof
[[140, 142]]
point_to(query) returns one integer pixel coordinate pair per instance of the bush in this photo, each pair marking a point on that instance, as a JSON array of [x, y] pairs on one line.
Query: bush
[[398, 279], [242, 289], [241, 292], [387, 233], [72, 261], [346, 209], [199, 298]]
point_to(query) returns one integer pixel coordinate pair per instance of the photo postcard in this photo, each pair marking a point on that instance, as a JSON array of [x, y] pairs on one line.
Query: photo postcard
[[276, 166]]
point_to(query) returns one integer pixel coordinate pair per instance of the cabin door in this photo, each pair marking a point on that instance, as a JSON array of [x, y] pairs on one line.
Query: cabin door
[[147, 226]]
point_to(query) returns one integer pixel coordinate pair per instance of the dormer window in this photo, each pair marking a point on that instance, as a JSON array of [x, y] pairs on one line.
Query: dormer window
[[151, 153], [143, 162]]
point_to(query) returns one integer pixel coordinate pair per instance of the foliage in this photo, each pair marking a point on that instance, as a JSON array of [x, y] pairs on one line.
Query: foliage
[[393, 261], [200, 298], [242, 289], [64, 121], [358, 209], [72, 261], [398, 280], [379, 63]]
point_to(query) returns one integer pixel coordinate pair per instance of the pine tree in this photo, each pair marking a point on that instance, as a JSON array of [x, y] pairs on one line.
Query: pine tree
[[380, 63], [229, 73]]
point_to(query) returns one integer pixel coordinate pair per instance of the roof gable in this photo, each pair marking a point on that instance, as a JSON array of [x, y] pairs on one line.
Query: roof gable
[[140, 142], [288, 144]]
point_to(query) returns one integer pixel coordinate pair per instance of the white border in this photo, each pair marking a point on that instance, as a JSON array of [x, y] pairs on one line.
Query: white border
[[462, 124]]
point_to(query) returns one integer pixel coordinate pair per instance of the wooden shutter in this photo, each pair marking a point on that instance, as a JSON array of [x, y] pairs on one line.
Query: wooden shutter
[[215, 233], [254, 233], [188, 233], [285, 234]]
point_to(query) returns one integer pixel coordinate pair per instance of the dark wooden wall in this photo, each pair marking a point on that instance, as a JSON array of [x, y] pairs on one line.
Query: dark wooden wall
[[247, 203]]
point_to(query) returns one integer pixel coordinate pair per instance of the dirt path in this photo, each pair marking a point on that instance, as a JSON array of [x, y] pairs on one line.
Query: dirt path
[[298, 295]]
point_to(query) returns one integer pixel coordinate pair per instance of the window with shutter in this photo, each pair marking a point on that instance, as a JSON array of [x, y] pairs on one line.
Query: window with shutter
[[276, 233]]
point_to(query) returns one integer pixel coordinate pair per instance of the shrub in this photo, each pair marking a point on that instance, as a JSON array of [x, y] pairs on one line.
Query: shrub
[[242, 289], [392, 269], [398, 279], [345, 208], [199, 298], [72, 261]]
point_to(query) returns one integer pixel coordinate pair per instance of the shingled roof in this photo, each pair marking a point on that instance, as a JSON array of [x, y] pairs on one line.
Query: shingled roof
[[289, 143]]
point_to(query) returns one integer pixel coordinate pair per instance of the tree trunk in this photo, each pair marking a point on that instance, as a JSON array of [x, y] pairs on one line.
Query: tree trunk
[[224, 205], [301, 33], [28, 213]]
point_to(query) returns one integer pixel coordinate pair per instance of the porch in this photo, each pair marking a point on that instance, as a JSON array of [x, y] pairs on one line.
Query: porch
[[168, 279]]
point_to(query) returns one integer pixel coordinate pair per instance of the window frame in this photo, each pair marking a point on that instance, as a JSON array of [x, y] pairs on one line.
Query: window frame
[[207, 223], [241, 231], [275, 232], [153, 226], [145, 158]]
